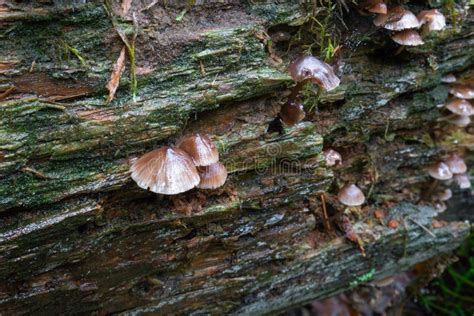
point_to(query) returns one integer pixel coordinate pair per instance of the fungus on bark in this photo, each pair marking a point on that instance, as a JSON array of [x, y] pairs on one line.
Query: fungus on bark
[[374, 6], [351, 195], [165, 171], [212, 176], [440, 171], [443, 196], [460, 107], [462, 91], [200, 148], [459, 120], [407, 38], [456, 164], [449, 78], [292, 112], [397, 19], [462, 180], [309, 68], [433, 20], [332, 157]]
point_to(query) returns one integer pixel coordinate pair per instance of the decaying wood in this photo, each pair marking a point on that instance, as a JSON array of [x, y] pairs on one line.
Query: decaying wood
[[78, 236]]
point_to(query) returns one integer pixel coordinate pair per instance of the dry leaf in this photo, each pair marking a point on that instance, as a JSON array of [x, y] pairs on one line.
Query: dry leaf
[[126, 4], [114, 81]]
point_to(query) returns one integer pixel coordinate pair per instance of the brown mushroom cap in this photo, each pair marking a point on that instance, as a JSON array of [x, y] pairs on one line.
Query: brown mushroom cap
[[456, 164], [440, 171], [375, 6], [351, 195], [443, 195], [449, 78], [200, 148], [311, 68], [397, 19], [212, 176], [408, 38], [459, 120], [460, 107], [462, 91], [166, 171], [435, 20], [332, 157], [462, 181], [292, 113]]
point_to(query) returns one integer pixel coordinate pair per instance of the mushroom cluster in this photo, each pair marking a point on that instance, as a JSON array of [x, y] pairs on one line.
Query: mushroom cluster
[[194, 162], [404, 23]]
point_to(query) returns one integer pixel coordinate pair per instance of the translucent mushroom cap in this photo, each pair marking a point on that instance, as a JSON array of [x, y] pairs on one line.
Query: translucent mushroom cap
[[351, 195], [462, 180], [200, 148], [408, 38], [456, 164], [292, 113], [462, 91], [309, 67], [434, 20], [397, 19], [212, 176], [440, 171], [460, 107], [449, 78], [332, 157], [165, 171], [375, 6], [443, 195], [459, 120]]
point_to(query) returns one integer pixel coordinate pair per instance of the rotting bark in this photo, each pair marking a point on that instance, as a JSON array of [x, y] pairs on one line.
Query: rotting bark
[[77, 236]]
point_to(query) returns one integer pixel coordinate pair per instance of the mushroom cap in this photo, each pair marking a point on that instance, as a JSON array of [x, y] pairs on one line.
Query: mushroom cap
[[212, 176], [443, 195], [462, 181], [292, 113], [434, 19], [460, 107], [456, 164], [332, 157], [440, 171], [397, 19], [200, 148], [166, 171], [462, 91], [351, 195], [448, 78], [408, 38], [459, 120], [375, 6], [309, 67]]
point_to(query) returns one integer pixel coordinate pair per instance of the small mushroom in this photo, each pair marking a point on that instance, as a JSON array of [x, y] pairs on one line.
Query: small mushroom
[[332, 157], [433, 20], [456, 164], [310, 68], [462, 180], [200, 148], [212, 176], [292, 113], [462, 91], [397, 19], [375, 6], [443, 195], [440, 171], [449, 78], [460, 107], [459, 120], [408, 38], [351, 195], [165, 171]]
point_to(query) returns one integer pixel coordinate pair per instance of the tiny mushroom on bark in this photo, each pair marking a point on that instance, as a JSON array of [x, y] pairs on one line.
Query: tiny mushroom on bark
[[449, 78], [460, 107], [351, 195], [292, 113], [462, 91], [440, 171], [433, 20], [312, 69], [375, 6], [200, 148], [459, 120], [443, 195], [456, 164], [408, 38], [212, 176], [397, 19], [166, 171], [332, 157], [462, 180]]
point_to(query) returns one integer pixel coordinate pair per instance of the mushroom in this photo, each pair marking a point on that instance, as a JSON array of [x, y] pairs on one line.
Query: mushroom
[[375, 6], [433, 20], [462, 91], [200, 148], [332, 157], [408, 38], [460, 107], [459, 120], [462, 180], [440, 171], [212, 176], [292, 113], [443, 195], [449, 78], [309, 68], [351, 195], [397, 19], [165, 171], [455, 164]]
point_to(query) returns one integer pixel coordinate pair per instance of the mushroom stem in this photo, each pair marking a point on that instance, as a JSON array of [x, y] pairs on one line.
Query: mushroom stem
[[325, 213], [432, 188], [399, 50], [296, 90]]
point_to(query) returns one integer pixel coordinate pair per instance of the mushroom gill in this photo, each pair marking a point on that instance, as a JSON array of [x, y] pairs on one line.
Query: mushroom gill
[[310, 68]]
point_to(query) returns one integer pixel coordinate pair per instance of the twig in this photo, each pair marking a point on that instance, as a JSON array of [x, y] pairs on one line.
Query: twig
[[34, 172], [325, 213], [423, 227]]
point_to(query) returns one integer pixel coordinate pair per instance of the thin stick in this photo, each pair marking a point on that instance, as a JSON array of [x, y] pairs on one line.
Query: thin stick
[[325, 213], [423, 227]]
